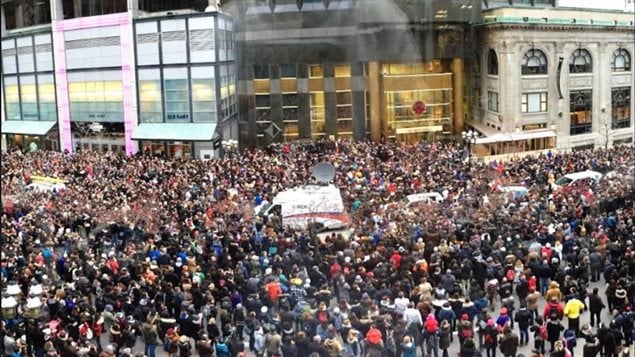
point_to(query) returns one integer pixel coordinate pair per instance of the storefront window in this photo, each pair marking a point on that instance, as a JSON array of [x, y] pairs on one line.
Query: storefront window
[[621, 104], [419, 114], [48, 107], [150, 106], [580, 103], [178, 149], [318, 115]]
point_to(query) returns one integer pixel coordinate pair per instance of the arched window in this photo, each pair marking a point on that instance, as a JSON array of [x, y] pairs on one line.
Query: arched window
[[580, 61], [492, 63], [621, 60], [534, 62]]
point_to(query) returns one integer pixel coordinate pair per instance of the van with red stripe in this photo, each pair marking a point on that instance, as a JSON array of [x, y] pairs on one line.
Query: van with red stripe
[[299, 207]]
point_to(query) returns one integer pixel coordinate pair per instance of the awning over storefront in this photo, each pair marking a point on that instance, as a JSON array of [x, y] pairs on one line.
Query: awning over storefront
[[526, 135], [27, 127], [175, 132]]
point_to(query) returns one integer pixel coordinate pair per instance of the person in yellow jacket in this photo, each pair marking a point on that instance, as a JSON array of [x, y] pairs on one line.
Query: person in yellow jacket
[[572, 310]]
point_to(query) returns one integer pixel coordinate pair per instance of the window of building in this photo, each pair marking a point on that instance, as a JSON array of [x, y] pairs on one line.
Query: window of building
[[342, 70], [95, 96], [580, 61], [621, 107], [261, 71], [316, 71], [344, 110], [203, 94], [621, 61], [177, 97], [492, 63], [580, 106], [290, 116], [406, 124], [533, 102], [318, 115], [263, 108], [150, 105], [28, 98], [12, 98], [534, 62], [476, 64], [409, 69], [477, 97], [288, 70], [46, 95], [492, 101]]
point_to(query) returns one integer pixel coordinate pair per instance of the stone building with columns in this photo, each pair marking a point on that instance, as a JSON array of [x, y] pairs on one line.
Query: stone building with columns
[[553, 76]]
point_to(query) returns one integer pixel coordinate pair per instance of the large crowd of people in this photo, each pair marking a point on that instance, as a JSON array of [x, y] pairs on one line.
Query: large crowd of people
[[169, 254]]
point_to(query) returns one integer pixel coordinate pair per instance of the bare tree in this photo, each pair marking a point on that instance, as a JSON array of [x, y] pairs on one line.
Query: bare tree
[[604, 128]]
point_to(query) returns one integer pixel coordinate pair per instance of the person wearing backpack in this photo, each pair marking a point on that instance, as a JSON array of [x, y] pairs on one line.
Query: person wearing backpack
[[490, 338], [431, 336], [540, 335], [465, 328], [481, 320], [554, 309], [570, 340]]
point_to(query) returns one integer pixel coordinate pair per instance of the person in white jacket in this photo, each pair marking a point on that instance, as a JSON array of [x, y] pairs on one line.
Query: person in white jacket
[[259, 341]]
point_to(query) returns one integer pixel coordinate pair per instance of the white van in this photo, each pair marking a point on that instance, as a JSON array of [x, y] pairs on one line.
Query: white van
[[570, 179], [516, 191], [301, 206], [427, 197]]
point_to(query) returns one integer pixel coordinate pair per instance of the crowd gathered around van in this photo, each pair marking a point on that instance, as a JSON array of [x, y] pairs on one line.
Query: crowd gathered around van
[[106, 255]]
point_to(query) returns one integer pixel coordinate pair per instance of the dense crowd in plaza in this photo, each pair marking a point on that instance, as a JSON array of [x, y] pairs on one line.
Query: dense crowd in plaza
[[168, 254]]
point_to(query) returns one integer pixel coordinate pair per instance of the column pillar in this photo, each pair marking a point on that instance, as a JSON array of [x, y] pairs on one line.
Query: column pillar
[[133, 5], [77, 8], [457, 93], [601, 96], [19, 16], [3, 138], [57, 10], [377, 124], [3, 22]]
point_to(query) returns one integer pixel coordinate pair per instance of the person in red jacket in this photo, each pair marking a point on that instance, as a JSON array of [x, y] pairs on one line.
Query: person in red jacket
[[553, 307]]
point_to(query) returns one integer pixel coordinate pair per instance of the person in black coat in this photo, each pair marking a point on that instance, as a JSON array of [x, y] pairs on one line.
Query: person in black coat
[[524, 318], [595, 306], [591, 347], [554, 328]]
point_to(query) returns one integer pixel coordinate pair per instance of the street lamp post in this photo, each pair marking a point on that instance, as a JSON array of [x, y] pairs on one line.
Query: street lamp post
[[469, 138], [229, 146]]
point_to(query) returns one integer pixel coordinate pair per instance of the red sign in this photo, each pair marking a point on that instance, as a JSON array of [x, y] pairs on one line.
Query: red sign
[[419, 107]]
